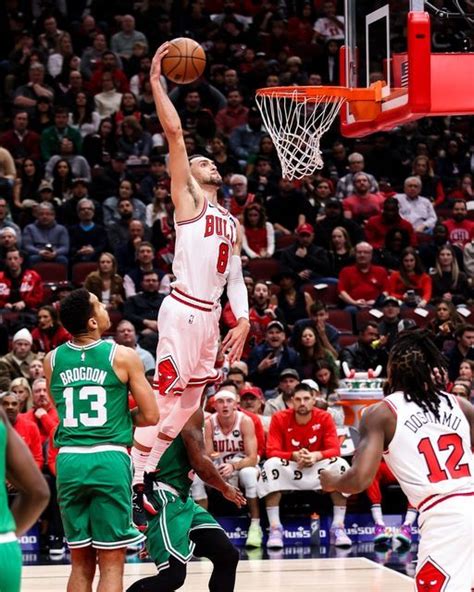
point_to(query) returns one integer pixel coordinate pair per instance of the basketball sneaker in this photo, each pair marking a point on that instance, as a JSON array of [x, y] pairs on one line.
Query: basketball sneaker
[[254, 536], [139, 517], [382, 535], [405, 535], [149, 480], [275, 538], [338, 537]]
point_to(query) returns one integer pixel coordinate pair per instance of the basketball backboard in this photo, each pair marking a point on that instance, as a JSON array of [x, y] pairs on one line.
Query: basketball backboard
[[393, 42]]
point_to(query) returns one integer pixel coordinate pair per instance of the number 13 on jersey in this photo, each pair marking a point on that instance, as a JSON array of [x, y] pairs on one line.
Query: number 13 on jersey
[[96, 397]]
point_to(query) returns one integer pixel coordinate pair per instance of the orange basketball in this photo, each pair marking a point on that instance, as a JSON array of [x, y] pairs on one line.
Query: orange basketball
[[184, 62]]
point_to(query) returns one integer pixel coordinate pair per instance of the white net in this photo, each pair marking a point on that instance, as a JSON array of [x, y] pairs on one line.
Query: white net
[[296, 124]]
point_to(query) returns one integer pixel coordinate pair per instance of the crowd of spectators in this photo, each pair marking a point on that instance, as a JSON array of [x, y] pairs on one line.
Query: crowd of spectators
[[332, 263]]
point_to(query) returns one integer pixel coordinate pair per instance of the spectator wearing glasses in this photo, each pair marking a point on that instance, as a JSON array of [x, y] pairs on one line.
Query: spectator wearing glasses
[[241, 198], [417, 210]]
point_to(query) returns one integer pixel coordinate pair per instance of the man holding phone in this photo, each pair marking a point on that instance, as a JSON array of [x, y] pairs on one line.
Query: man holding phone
[[45, 240]]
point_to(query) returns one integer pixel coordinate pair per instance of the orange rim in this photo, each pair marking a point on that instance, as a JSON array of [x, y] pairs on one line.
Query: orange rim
[[323, 93]]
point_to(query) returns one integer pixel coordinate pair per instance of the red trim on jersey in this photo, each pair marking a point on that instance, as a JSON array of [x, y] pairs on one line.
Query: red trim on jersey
[[196, 218], [173, 295], [442, 499], [193, 297], [197, 381], [391, 406]]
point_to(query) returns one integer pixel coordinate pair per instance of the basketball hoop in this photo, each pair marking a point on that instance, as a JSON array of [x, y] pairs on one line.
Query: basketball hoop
[[296, 117]]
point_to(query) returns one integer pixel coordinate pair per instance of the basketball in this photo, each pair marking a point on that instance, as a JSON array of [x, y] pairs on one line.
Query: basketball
[[184, 62]]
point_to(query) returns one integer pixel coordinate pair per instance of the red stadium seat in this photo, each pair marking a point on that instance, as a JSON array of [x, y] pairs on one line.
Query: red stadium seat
[[81, 270], [362, 317], [328, 295], [53, 273], [422, 322], [342, 320], [284, 240], [345, 340], [263, 269]]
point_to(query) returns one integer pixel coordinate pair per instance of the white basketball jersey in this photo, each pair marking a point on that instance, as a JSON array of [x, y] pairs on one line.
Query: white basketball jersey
[[430, 457], [227, 446], [203, 250]]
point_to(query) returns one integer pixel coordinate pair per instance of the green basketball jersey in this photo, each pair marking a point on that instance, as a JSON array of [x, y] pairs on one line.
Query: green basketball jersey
[[91, 400], [7, 524], [175, 468]]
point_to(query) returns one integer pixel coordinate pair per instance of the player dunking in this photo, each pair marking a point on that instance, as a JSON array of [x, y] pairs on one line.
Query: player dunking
[[207, 258], [18, 467], [89, 380], [425, 437]]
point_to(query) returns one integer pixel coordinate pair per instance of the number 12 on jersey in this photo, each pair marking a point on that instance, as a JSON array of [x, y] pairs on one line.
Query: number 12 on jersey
[[97, 399], [441, 470]]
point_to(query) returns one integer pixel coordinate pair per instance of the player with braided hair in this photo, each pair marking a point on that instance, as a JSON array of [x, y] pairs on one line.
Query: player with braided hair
[[425, 436]]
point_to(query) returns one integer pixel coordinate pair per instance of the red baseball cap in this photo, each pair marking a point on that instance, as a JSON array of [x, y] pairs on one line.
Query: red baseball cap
[[305, 229], [254, 391]]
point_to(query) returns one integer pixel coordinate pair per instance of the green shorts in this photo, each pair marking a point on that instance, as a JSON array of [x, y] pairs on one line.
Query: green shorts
[[168, 532], [10, 567], [94, 494]]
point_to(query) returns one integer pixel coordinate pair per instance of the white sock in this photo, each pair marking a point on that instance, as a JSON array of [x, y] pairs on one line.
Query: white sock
[[410, 517], [377, 515], [339, 515], [255, 522], [273, 513], [139, 459], [159, 448]]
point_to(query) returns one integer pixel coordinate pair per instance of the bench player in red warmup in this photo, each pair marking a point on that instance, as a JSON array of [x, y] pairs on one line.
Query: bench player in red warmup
[[425, 436], [207, 258]]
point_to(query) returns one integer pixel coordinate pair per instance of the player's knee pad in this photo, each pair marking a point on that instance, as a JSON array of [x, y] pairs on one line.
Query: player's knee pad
[[248, 481]]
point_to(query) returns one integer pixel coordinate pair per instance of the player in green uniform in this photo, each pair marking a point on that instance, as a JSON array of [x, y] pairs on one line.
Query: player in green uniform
[[89, 380], [18, 467], [181, 527]]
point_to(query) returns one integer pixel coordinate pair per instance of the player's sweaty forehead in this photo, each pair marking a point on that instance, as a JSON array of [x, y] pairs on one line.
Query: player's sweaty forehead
[[198, 160]]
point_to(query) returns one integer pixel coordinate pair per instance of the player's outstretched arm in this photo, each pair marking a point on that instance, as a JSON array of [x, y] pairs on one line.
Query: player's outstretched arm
[[202, 464], [367, 456], [24, 475], [129, 368], [184, 190]]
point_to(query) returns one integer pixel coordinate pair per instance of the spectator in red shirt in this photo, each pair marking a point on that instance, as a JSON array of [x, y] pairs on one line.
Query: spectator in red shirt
[[377, 226], [49, 333], [27, 430], [362, 204], [20, 141], [109, 63], [360, 285], [301, 441], [240, 196], [43, 413], [410, 284], [234, 114], [460, 230], [20, 289]]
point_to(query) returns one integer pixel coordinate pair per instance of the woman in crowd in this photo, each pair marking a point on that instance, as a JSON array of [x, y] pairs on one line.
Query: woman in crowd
[[313, 345], [22, 388], [445, 323], [410, 283], [49, 332], [62, 179], [43, 116], [258, 239], [146, 104], [293, 303], [225, 163], [448, 282], [106, 283], [29, 176], [98, 148], [128, 108], [83, 116], [341, 252], [327, 380]]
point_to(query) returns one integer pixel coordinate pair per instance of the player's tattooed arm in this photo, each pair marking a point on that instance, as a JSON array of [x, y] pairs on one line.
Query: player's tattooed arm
[[192, 435]]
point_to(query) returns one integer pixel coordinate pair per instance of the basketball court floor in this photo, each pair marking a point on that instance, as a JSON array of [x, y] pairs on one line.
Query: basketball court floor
[[354, 574]]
